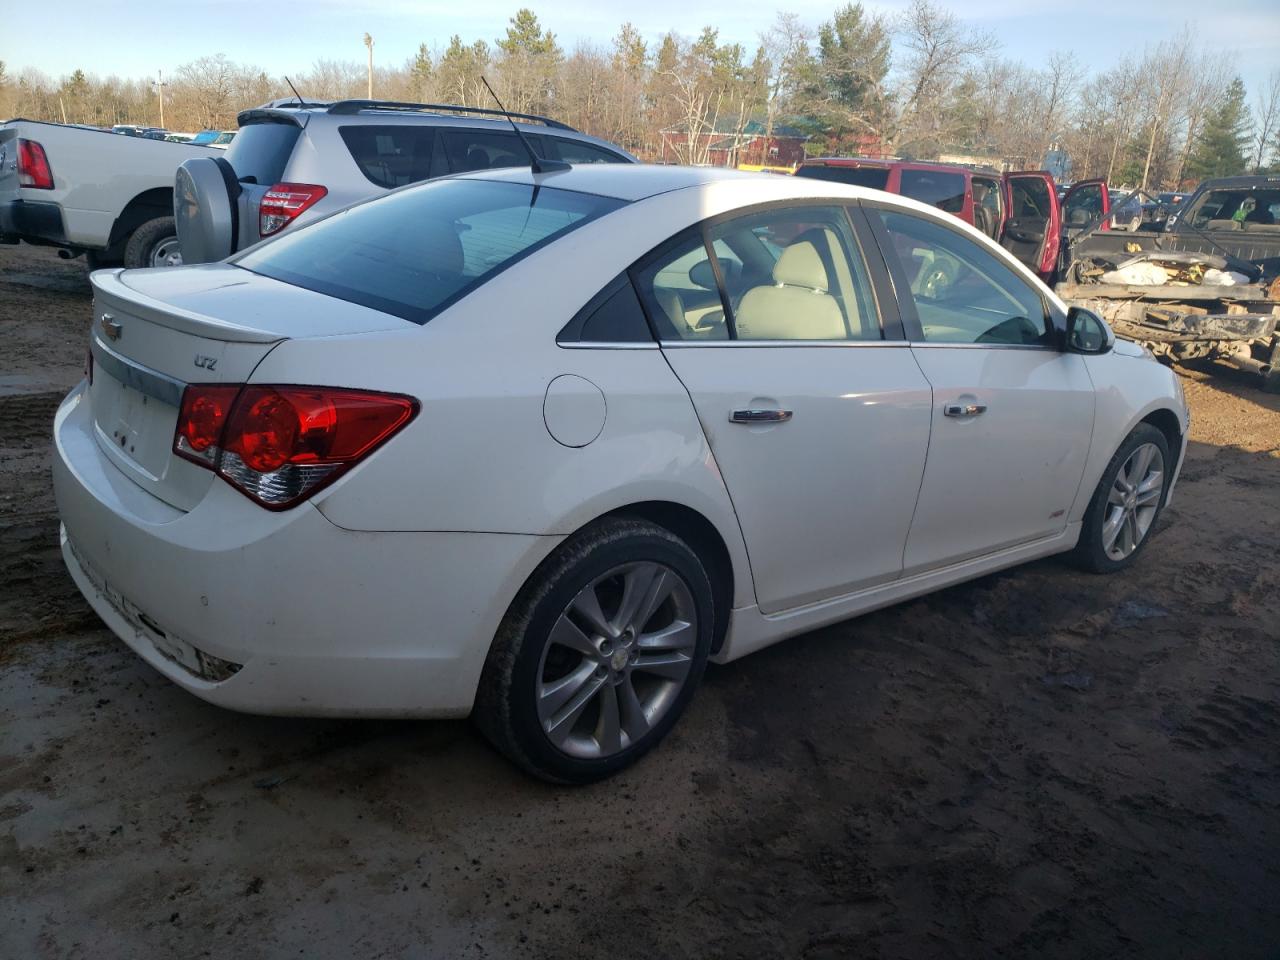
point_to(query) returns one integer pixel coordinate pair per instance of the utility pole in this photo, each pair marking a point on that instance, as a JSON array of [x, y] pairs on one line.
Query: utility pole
[[368, 42], [159, 84]]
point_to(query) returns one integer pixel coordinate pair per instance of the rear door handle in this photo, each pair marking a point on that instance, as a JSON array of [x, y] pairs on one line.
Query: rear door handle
[[760, 416], [964, 409]]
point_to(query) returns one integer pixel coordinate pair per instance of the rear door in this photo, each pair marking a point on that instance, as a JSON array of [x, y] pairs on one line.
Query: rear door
[[1033, 229], [818, 423]]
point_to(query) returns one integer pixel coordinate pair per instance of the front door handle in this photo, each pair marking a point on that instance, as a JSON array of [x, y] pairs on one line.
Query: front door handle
[[964, 409], [760, 416]]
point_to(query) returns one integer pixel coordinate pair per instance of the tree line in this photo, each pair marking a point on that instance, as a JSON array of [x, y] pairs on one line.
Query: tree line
[[923, 84]]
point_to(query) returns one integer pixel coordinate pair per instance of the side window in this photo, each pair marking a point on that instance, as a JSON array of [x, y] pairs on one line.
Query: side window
[[1083, 205], [469, 150], [575, 151], [796, 274], [391, 156], [962, 292], [678, 288], [1031, 198], [613, 315], [944, 190]]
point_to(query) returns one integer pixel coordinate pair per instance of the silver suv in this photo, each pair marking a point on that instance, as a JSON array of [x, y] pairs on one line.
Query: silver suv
[[294, 161]]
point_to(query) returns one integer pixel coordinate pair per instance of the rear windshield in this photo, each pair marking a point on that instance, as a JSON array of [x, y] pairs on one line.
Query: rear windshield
[[414, 252], [874, 177], [1238, 208], [943, 190], [260, 151]]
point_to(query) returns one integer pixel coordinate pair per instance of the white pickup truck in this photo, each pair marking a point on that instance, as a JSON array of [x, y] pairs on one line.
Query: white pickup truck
[[91, 191]]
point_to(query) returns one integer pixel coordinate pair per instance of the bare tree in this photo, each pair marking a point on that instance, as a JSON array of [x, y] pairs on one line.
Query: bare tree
[[939, 48], [1266, 120]]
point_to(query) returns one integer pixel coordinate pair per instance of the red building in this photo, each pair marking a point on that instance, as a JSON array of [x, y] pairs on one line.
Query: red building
[[727, 147]]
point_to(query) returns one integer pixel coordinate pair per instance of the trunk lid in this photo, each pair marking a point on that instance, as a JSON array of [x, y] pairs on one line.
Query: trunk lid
[[155, 331]]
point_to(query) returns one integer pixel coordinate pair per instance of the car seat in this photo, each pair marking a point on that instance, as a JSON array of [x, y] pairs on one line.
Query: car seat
[[797, 306]]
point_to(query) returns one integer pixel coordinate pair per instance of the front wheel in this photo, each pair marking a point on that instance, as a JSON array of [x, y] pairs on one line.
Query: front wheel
[[599, 654], [154, 244], [1126, 503]]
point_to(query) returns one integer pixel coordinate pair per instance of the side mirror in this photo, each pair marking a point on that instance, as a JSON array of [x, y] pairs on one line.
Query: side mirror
[[703, 275], [1088, 333]]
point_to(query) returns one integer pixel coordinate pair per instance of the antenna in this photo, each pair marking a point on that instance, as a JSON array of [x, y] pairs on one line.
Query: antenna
[[294, 89], [535, 164]]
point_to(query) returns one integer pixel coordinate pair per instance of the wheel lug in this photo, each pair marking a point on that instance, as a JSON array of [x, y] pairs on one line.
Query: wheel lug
[[602, 671], [606, 647]]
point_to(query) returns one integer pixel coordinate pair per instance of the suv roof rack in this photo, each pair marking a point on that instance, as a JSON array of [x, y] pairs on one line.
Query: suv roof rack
[[355, 106]]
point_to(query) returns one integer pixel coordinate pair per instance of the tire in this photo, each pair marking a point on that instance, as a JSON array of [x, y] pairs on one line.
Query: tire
[[1096, 550], [150, 241], [527, 670]]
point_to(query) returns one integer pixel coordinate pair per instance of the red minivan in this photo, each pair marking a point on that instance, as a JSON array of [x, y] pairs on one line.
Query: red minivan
[[1020, 211]]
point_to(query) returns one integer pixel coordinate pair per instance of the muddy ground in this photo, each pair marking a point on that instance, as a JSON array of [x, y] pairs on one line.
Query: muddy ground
[[1041, 763]]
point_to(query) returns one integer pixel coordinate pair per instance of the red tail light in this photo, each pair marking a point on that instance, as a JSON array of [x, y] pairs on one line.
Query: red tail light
[[279, 445], [33, 166], [282, 204]]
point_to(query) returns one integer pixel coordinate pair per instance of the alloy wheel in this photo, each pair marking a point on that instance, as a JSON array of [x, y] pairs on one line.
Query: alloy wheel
[[616, 660], [1133, 501]]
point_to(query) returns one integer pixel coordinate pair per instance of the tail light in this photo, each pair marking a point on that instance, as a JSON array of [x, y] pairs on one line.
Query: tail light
[[279, 445], [282, 204], [33, 166]]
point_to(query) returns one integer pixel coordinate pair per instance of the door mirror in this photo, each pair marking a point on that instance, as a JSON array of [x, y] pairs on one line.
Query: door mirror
[[1087, 332], [703, 275]]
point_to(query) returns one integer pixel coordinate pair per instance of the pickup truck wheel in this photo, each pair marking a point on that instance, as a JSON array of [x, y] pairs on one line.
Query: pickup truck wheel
[[154, 244]]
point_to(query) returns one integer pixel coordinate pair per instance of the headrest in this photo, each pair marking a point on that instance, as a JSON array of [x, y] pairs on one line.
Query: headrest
[[800, 266]]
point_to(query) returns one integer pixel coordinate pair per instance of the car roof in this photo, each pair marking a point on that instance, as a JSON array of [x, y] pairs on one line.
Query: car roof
[[638, 181]]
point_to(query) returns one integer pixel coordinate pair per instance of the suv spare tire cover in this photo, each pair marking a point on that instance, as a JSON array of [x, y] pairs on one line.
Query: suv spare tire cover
[[204, 210]]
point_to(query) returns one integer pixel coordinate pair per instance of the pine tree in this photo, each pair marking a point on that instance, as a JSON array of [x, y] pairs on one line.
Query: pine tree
[[1222, 147]]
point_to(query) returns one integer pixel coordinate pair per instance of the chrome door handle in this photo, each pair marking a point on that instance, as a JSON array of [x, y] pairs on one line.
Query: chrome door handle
[[964, 409], [760, 416]]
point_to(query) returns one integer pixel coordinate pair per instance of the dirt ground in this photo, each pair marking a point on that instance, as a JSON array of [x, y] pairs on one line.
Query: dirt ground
[[1041, 763]]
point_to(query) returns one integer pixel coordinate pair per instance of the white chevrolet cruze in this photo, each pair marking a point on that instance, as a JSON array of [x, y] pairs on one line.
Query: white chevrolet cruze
[[539, 446]]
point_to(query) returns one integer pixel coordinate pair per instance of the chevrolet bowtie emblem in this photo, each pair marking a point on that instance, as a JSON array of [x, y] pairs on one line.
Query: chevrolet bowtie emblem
[[111, 328]]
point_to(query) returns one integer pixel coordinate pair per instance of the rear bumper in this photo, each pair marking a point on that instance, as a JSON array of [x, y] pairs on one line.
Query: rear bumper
[[32, 220], [309, 619]]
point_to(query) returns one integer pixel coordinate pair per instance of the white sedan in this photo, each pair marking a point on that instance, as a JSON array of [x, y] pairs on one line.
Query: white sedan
[[538, 446]]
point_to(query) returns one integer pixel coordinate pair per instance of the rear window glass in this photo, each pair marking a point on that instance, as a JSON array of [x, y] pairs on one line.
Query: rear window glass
[[943, 190], [413, 253], [391, 156], [260, 151], [874, 177]]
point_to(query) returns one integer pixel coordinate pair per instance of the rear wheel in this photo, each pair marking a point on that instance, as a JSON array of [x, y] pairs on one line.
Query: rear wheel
[[599, 654], [154, 244], [1126, 503]]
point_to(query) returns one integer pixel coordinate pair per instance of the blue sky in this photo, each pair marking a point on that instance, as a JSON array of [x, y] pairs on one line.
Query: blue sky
[[131, 38]]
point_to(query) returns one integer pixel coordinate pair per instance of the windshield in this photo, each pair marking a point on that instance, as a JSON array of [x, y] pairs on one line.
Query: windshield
[[414, 252], [874, 177]]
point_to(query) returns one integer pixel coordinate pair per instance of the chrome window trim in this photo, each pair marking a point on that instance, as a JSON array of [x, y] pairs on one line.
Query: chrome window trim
[[942, 345], [680, 344], [608, 345], [151, 383]]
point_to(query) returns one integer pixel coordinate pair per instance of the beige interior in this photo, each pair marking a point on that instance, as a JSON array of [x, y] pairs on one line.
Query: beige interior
[[798, 306]]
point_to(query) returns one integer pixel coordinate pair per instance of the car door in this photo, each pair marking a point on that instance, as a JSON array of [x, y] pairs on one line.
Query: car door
[[1012, 414], [818, 422], [1086, 202], [1033, 230], [8, 164]]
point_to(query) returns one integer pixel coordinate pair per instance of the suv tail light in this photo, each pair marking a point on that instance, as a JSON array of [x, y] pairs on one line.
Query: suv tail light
[[33, 166], [279, 445], [282, 204]]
